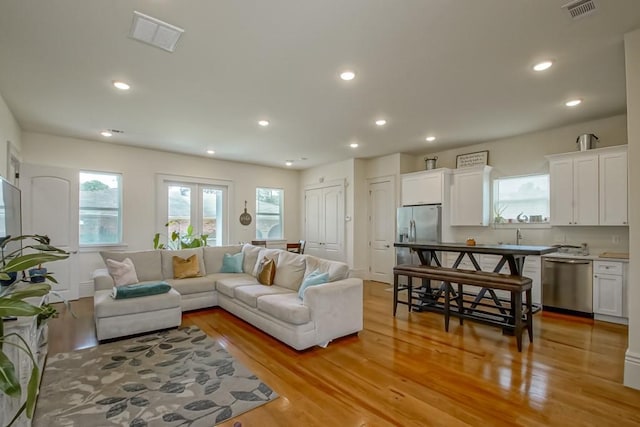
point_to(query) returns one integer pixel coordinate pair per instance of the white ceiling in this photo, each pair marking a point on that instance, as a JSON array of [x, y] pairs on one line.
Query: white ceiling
[[458, 69]]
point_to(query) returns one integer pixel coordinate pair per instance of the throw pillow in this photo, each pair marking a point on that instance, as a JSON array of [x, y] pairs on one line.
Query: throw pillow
[[123, 273], [185, 268], [267, 272], [232, 263], [316, 277]]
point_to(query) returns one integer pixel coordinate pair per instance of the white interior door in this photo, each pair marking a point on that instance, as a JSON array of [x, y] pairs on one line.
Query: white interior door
[[50, 207], [381, 230], [312, 221], [333, 224]]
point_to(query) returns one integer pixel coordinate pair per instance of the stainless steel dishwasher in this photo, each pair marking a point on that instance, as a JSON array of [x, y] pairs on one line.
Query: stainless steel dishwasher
[[567, 285]]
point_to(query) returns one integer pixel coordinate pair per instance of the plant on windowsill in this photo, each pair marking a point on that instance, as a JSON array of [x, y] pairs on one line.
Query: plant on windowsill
[[178, 240], [12, 304], [497, 213]]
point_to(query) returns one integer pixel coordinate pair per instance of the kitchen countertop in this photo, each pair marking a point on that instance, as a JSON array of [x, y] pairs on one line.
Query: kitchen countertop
[[593, 257]]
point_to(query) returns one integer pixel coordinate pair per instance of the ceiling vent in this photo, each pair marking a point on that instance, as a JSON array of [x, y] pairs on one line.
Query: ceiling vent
[[154, 32], [580, 8]]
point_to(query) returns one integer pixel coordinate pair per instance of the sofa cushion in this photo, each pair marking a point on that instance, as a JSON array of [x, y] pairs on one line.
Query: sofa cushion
[[185, 268], [286, 307], [167, 260], [250, 258], [250, 294], [193, 285], [123, 273], [106, 306], [213, 256], [337, 270], [232, 263], [290, 270], [148, 264], [227, 285]]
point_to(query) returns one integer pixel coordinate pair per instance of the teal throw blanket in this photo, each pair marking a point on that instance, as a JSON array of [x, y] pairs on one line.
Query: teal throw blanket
[[140, 290]]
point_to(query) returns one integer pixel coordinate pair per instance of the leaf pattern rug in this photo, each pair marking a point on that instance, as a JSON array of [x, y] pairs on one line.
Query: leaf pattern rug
[[179, 377]]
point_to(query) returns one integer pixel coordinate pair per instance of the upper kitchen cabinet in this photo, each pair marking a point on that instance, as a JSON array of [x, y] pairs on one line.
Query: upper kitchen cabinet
[[613, 187], [425, 187], [470, 196], [589, 187]]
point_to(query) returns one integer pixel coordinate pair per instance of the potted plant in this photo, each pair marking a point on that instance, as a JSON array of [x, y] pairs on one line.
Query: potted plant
[[12, 303], [178, 240]]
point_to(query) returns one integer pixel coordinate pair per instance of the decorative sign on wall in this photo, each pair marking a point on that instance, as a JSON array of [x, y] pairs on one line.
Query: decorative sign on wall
[[479, 158]]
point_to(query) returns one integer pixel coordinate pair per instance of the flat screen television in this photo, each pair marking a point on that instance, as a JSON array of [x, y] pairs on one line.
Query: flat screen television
[[10, 215]]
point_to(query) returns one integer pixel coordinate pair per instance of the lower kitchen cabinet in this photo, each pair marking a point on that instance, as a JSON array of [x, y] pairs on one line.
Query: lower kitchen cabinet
[[609, 289]]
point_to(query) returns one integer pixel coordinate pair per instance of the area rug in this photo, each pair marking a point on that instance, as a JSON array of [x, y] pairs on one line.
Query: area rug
[[178, 377]]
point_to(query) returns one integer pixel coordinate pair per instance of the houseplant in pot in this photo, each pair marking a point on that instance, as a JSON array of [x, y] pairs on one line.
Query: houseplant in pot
[[12, 303]]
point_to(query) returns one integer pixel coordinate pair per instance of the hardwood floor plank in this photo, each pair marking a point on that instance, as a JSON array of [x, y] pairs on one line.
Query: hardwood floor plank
[[407, 371]]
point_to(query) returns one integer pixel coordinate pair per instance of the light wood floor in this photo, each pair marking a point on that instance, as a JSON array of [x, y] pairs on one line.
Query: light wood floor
[[406, 371]]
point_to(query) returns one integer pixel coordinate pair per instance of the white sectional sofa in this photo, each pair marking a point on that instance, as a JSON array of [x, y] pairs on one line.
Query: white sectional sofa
[[326, 311]]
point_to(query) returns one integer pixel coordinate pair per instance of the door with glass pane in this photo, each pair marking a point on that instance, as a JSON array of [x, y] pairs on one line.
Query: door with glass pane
[[197, 208]]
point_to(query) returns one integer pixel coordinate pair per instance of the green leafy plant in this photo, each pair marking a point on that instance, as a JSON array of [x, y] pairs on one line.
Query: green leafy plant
[[497, 213], [12, 304], [178, 240]]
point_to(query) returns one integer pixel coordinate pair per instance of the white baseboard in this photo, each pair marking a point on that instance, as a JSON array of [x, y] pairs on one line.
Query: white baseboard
[[632, 370], [86, 289], [611, 319]]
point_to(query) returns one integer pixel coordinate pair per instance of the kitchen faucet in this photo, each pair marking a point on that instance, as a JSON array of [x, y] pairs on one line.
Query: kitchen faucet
[[518, 236]]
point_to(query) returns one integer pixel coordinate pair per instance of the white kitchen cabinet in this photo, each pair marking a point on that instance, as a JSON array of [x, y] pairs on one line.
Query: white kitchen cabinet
[[425, 187], [589, 187], [613, 188], [324, 222], [574, 190], [609, 291], [470, 196]]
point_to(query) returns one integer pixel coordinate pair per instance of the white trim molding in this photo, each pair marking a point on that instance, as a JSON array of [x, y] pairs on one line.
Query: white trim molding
[[632, 369]]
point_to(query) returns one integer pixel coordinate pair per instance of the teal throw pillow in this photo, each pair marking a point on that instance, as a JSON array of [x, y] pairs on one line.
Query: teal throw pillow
[[314, 278], [232, 263]]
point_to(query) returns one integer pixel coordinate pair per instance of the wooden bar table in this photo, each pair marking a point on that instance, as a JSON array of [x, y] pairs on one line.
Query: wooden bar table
[[512, 255]]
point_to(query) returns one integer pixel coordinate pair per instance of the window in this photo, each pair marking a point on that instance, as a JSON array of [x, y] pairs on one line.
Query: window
[[519, 199], [198, 203], [269, 203], [100, 208]]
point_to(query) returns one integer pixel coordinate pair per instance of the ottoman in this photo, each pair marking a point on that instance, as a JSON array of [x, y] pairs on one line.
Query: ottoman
[[122, 317]]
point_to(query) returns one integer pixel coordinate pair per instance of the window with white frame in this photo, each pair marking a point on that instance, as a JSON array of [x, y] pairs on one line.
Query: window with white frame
[[518, 199], [269, 212], [193, 204], [100, 208]]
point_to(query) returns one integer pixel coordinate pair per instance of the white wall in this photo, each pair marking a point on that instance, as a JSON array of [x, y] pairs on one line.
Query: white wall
[[139, 167], [9, 132], [632, 60]]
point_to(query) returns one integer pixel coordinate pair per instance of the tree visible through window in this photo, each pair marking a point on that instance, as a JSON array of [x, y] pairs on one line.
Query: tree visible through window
[[269, 206], [100, 208], [521, 199]]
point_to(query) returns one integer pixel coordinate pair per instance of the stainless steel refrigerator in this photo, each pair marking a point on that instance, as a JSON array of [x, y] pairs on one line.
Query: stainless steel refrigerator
[[417, 224]]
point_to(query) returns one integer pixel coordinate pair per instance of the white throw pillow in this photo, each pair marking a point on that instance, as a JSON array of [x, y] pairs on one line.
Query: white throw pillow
[[123, 273]]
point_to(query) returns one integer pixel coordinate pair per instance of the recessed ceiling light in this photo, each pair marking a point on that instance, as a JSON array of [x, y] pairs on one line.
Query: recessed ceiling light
[[430, 138], [544, 65], [288, 162], [263, 122], [353, 145], [121, 85], [347, 75], [381, 122], [573, 102], [106, 133], [211, 152]]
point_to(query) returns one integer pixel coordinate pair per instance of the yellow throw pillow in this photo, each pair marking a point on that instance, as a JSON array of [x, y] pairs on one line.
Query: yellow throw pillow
[[184, 268], [267, 272]]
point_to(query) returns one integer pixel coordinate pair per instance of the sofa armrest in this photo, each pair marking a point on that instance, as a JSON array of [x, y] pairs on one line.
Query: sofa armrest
[[102, 280], [336, 308]]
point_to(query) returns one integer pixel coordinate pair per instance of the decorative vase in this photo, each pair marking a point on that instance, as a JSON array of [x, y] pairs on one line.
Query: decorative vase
[[37, 275]]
